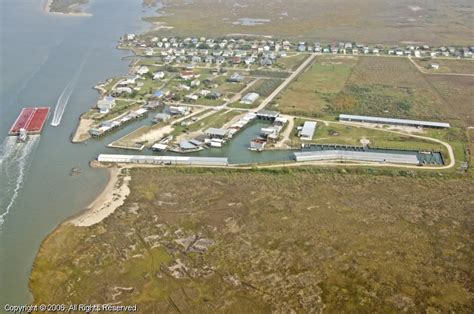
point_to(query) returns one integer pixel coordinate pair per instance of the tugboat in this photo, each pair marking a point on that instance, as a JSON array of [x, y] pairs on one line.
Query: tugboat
[[22, 136]]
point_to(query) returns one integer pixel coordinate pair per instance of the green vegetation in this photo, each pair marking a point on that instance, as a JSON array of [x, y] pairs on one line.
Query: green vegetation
[[67, 6], [457, 93], [121, 107], [216, 120], [209, 102], [272, 240], [265, 87], [377, 100], [240, 105], [291, 62], [269, 73], [308, 94], [378, 86]]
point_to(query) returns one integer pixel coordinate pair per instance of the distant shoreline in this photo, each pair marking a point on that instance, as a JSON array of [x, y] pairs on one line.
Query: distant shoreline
[[47, 10]]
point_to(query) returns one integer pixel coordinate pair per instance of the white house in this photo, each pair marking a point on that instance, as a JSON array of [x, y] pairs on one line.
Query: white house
[[159, 75], [195, 83], [105, 104], [143, 70]]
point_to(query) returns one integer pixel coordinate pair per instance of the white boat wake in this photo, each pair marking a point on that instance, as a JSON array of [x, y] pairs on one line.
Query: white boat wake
[[62, 103], [14, 162], [65, 95]]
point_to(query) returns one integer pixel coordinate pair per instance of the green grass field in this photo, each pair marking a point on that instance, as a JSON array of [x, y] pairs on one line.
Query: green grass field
[[291, 62], [216, 120], [308, 93], [265, 87]]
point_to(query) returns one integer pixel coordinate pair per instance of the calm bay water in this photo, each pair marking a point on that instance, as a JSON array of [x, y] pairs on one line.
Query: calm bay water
[[40, 54]]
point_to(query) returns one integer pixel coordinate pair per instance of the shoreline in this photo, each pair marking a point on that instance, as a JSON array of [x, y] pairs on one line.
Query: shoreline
[[112, 197], [81, 134], [47, 9]]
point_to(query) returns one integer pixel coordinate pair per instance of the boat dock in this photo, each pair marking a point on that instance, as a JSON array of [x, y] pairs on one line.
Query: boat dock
[[30, 119]]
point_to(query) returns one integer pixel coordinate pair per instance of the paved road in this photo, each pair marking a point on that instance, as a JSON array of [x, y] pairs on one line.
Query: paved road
[[286, 82]]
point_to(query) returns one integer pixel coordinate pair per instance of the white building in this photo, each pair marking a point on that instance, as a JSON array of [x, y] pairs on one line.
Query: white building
[[143, 70], [159, 75], [307, 132], [250, 98], [105, 104]]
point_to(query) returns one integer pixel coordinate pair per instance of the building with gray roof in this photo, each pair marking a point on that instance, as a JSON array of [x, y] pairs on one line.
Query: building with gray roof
[[216, 133], [344, 155], [167, 160], [250, 98], [415, 123], [267, 114], [307, 131]]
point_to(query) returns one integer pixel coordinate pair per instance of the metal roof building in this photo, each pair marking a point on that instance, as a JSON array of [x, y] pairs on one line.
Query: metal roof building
[[267, 114], [308, 130], [171, 160], [215, 132], [343, 155], [355, 118], [250, 98]]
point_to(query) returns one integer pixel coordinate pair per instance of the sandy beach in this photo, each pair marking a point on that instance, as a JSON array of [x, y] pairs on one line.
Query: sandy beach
[[112, 197], [47, 9], [82, 131]]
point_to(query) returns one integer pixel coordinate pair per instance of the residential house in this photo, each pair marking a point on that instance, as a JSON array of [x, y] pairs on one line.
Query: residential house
[[195, 83], [105, 104], [236, 78], [215, 94], [159, 75], [220, 60], [209, 59], [178, 110], [186, 75], [143, 70], [266, 61]]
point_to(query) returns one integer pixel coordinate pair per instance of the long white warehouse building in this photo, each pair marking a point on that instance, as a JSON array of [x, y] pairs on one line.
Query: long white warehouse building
[[416, 123], [344, 155], [164, 160]]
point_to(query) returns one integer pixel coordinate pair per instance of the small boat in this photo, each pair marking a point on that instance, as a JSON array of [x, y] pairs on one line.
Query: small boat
[[22, 136]]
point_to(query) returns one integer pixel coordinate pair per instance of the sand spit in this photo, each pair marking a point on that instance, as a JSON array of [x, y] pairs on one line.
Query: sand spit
[[112, 197]]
